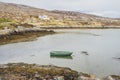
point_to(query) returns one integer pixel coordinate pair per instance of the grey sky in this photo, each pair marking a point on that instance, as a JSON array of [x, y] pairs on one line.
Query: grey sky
[[108, 8]]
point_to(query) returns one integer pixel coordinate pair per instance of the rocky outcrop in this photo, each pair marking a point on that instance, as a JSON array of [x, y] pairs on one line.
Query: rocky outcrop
[[20, 30], [23, 71], [20, 34]]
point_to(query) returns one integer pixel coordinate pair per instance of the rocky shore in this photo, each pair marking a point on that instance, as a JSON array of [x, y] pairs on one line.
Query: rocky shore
[[23, 71], [21, 34]]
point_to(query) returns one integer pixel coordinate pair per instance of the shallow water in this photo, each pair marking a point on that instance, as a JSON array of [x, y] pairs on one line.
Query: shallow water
[[103, 46]]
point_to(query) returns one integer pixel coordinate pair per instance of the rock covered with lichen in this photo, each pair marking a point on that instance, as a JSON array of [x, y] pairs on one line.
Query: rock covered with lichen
[[22, 71]]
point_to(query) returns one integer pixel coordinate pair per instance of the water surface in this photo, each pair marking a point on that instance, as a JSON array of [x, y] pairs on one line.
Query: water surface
[[102, 46]]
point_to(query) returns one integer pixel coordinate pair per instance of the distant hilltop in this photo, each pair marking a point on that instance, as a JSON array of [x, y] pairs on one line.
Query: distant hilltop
[[12, 15]]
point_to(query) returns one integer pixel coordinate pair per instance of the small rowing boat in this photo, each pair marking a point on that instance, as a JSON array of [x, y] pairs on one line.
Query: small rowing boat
[[60, 53]]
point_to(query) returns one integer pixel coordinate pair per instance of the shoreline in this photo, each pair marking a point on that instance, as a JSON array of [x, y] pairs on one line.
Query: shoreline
[[117, 27], [24, 71], [13, 36], [30, 34]]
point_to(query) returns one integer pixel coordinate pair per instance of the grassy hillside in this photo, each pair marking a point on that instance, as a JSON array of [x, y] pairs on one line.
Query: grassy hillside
[[12, 15]]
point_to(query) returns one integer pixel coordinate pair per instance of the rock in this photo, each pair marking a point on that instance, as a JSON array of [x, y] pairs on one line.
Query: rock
[[117, 58], [60, 78], [109, 78], [32, 55], [84, 76], [112, 77], [85, 52], [87, 78]]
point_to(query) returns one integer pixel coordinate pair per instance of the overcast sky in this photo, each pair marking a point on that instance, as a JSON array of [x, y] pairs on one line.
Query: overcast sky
[[107, 8]]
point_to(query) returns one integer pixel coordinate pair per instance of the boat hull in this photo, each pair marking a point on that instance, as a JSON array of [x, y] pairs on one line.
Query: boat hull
[[60, 53]]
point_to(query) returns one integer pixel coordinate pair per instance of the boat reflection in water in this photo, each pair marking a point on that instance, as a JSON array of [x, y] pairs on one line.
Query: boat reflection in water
[[62, 57]]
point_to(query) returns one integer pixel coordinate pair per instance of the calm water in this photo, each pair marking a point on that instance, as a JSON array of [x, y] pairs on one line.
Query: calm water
[[102, 46]]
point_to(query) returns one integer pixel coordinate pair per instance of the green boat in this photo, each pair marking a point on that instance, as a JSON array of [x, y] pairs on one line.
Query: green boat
[[60, 53]]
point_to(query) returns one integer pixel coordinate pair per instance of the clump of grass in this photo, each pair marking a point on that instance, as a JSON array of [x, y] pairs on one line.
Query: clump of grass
[[5, 20]]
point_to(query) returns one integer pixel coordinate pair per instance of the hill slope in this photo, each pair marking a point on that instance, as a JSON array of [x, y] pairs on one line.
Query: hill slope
[[12, 15]]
